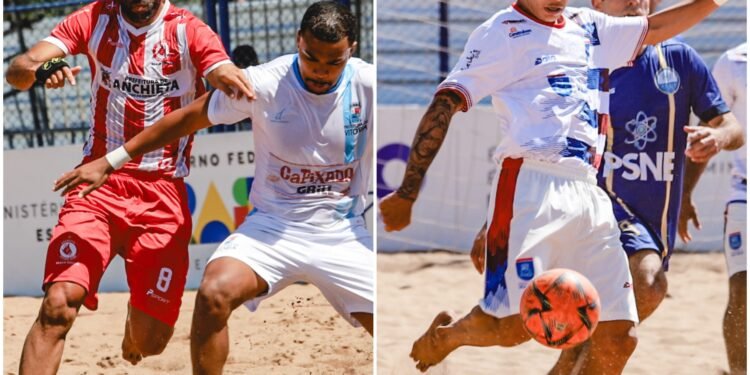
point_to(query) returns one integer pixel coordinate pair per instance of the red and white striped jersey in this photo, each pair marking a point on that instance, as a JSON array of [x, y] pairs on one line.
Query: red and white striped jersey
[[139, 75]]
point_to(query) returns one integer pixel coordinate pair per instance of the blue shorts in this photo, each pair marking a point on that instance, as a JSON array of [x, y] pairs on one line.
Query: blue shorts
[[636, 235]]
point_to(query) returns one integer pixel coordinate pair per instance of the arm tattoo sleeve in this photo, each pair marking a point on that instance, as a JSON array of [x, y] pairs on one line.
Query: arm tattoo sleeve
[[427, 141]]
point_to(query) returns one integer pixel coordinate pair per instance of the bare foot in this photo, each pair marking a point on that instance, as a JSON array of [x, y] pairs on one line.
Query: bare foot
[[431, 348], [129, 352]]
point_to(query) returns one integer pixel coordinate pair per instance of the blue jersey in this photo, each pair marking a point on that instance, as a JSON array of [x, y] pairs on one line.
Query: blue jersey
[[645, 155]]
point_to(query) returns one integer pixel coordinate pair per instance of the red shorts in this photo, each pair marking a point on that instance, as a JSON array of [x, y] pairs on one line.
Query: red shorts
[[146, 221]]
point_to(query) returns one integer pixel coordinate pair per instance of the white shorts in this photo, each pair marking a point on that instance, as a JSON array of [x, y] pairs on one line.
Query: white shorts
[[338, 259], [545, 216], [735, 236]]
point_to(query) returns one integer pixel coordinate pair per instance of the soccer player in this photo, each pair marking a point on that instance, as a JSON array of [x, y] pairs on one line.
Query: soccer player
[[546, 68], [730, 73], [147, 59], [312, 123]]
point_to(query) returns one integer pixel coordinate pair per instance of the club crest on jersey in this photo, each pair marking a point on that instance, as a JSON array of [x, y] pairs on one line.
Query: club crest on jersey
[[356, 114], [643, 130], [68, 250], [560, 84], [515, 33], [667, 80], [525, 268], [735, 240], [160, 51]]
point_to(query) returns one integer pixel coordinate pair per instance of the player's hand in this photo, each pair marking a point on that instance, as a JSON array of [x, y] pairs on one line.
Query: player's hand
[[687, 213], [703, 143], [477, 249], [396, 212], [58, 78], [230, 80], [94, 173]]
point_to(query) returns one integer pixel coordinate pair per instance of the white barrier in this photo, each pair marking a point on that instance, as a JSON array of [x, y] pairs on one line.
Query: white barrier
[[222, 169], [453, 201]]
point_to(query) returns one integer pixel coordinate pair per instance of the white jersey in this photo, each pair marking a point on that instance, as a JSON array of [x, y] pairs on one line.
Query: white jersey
[[730, 73], [548, 82], [313, 152]]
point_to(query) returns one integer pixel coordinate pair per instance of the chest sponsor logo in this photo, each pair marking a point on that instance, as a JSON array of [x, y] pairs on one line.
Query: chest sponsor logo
[[641, 166], [667, 80], [510, 22], [642, 130], [317, 181], [515, 33], [139, 87]]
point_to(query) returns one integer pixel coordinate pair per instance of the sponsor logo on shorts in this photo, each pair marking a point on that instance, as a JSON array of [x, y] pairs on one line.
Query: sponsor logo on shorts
[[525, 268], [68, 250], [152, 294], [515, 33], [735, 240]]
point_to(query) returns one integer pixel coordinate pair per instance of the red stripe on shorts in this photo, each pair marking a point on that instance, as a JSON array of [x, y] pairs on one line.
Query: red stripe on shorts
[[499, 231]]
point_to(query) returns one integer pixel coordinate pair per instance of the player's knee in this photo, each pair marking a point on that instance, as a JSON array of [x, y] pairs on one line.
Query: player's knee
[[651, 284], [214, 300], [57, 310], [619, 339]]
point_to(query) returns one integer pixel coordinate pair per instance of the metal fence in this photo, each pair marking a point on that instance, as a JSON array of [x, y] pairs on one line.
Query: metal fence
[[409, 68], [40, 117]]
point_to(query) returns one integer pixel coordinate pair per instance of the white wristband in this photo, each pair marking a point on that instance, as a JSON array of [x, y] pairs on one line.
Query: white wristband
[[118, 157], [720, 2]]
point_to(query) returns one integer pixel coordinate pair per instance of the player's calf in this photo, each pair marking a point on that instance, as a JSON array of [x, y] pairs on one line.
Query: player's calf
[[735, 324], [147, 335], [612, 344], [649, 281]]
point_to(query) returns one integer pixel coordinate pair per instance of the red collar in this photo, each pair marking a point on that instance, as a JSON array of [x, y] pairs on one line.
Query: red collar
[[531, 17]]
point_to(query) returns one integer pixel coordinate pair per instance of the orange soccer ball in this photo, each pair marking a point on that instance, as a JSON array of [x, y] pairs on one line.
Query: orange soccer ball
[[560, 308]]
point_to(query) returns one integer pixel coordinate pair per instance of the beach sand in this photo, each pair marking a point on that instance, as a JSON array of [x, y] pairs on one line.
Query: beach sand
[[684, 336]]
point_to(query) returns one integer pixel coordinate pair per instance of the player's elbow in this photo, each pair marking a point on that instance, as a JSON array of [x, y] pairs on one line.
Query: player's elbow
[[19, 74]]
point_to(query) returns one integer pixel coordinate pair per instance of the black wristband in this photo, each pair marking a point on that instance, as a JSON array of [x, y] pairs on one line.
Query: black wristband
[[49, 68]]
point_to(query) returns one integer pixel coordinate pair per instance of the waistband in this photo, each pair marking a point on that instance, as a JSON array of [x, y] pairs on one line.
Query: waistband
[[553, 169]]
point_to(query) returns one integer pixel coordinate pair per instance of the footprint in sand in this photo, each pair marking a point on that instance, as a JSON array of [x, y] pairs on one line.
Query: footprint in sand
[[106, 362]]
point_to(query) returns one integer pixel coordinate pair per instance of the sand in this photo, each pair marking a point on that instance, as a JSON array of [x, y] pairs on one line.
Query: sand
[[682, 337], [296, 332]]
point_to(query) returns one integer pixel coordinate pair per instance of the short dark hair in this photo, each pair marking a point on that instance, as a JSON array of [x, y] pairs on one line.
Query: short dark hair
[[244, 55], [329, 21]]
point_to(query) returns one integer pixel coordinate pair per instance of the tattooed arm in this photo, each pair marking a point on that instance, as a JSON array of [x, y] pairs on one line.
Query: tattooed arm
[[396, 207]]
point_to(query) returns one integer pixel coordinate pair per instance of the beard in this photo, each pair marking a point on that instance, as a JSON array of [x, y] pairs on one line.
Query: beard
[[140, 16]]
